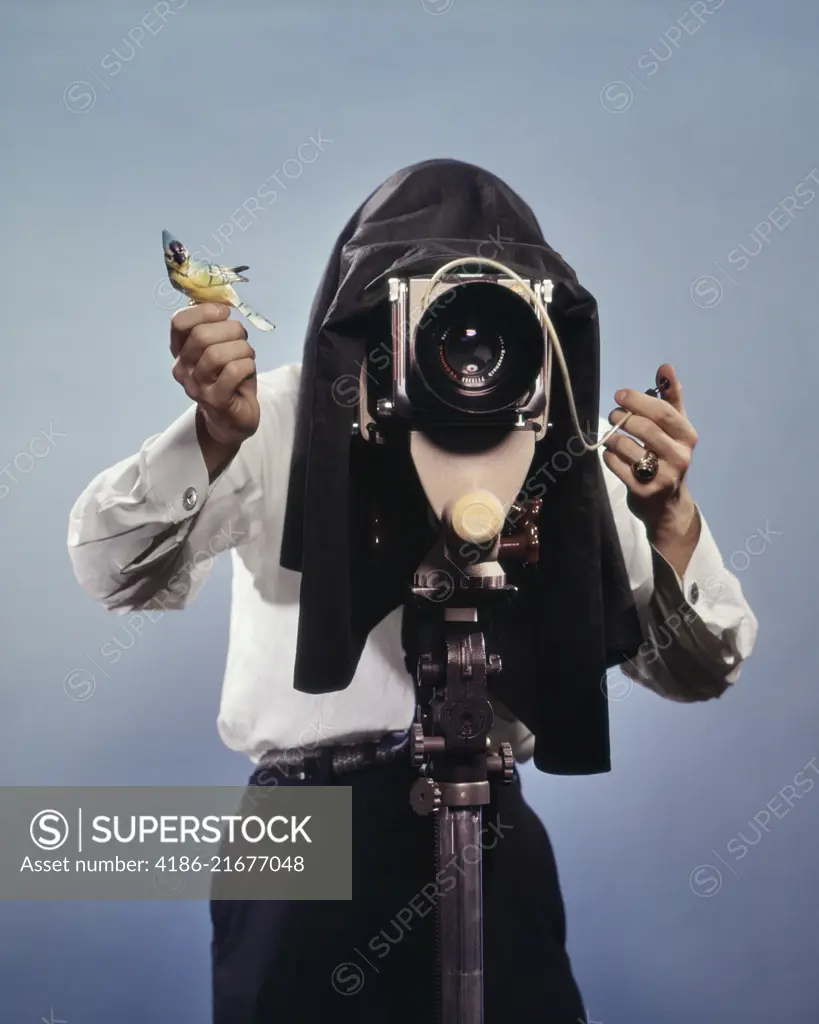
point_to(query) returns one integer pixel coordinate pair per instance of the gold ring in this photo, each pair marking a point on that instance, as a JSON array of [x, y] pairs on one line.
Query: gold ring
[[645, 468]]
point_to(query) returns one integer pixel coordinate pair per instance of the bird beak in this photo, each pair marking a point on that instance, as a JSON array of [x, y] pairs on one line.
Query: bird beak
[[167, 238]]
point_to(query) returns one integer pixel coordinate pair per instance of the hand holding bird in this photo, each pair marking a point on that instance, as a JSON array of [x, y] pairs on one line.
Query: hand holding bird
[[216, 366], [207, 282]]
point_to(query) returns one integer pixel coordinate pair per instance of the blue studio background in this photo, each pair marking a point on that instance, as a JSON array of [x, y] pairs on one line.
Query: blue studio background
[[671, 155]]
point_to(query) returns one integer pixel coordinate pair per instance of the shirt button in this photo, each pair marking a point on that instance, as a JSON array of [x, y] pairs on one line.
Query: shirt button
[[693, 593], [189, 498]]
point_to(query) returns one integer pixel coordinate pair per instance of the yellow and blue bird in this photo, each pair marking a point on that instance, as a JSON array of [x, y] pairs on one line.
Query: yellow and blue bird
[[207, 282]]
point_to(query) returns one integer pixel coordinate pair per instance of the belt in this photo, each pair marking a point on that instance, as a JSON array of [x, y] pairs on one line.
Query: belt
[[339, 760]]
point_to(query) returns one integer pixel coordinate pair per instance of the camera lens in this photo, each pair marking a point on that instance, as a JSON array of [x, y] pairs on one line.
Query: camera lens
[[479, 347], [471, 355]]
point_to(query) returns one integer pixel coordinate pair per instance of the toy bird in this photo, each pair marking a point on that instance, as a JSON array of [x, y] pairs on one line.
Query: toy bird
[[207, 282]]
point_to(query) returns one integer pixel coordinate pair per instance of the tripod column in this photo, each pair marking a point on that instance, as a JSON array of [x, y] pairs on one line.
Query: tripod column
[[460, 912], [450, 746]]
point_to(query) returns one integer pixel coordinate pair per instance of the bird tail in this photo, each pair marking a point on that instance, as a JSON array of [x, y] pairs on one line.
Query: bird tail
[[255, 318]]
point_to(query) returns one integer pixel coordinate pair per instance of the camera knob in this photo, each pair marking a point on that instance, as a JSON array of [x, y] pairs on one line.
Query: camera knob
[[508, 761], [477, 517], [524, 543], [429, 671], [425, 796], [502, 763], [417, 746]]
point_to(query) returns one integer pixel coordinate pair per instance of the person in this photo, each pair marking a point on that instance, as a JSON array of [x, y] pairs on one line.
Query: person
[[143, 534]]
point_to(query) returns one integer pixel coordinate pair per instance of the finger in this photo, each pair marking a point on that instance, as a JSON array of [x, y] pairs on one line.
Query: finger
[[203, 336], [625, 447], [661, 412], [621, 469], [211, 363], [216, 357], [674, 452], [673, 394], [222, 392], [185, 319]]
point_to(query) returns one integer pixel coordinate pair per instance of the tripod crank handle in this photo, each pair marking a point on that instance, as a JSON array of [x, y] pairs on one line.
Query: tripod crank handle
[[422, 746], [502, 763], [425, 796]]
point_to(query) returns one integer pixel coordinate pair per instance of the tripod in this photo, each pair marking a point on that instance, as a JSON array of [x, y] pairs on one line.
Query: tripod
[[451, 747]]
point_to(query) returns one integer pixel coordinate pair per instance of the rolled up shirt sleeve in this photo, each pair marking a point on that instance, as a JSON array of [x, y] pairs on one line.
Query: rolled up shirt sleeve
[[149, 527], [698, 628]]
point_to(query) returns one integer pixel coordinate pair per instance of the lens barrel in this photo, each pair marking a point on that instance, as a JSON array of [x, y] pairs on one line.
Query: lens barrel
[[480, 349]]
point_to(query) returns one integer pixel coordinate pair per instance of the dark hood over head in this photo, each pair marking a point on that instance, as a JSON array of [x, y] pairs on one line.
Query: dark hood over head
[[577, 616]]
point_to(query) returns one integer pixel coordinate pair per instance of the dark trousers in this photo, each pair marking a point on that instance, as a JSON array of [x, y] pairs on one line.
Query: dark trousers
[[373, 958]]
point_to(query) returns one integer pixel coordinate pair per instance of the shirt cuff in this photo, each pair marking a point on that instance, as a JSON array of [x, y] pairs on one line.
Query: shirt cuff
[[175, 469], [706, 597], [701, 585]]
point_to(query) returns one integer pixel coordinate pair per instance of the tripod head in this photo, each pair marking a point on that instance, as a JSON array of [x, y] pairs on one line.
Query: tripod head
[[451, 742]]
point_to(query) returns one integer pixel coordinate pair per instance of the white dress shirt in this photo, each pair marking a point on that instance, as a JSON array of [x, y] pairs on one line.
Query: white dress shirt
[[144, 533]]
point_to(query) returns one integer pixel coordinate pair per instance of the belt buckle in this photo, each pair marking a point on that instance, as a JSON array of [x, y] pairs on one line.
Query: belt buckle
[[290, 771]]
